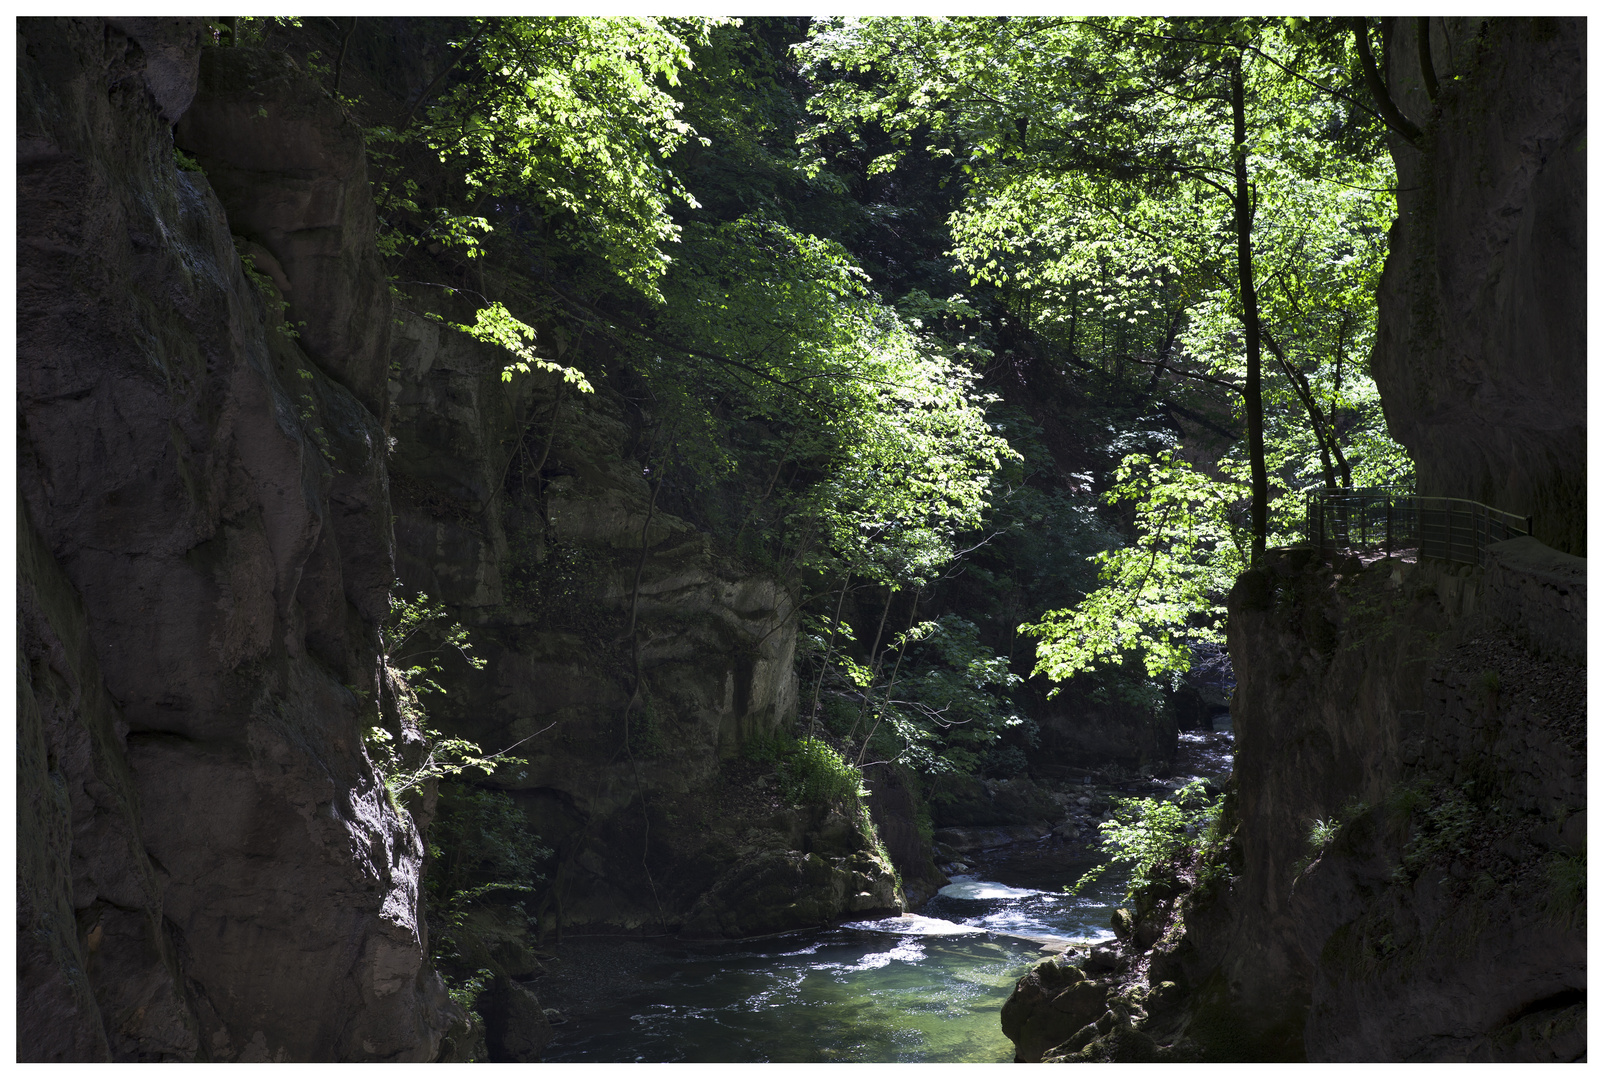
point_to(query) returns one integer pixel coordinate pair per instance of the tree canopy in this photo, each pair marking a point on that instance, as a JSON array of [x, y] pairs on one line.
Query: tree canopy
[[1207, 186], [819, 249]]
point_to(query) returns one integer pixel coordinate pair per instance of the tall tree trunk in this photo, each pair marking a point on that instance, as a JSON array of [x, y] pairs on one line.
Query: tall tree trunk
[[1252, 396], [1336, 390]]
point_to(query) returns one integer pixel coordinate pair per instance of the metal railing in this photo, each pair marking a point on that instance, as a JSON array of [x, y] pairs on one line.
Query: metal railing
[[1375, 519]]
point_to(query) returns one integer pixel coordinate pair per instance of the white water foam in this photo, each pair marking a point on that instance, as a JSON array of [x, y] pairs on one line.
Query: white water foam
[[918, 925], [968, 888], [909, 952]]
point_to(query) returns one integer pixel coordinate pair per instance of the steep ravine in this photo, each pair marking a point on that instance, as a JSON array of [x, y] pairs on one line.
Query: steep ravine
[[234, 439]]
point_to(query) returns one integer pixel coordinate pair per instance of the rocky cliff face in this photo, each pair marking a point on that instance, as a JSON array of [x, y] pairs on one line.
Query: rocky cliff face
[[211, 868], [1405, 873], [232, 442], [520, 506], [1482, 343], [1438, 915]]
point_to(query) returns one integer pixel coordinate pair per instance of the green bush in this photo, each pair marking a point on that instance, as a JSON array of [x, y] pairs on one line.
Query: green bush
[[1447, 829], [952, 705], [811, 771], [815, 773], [1147, 833], [480, 842]]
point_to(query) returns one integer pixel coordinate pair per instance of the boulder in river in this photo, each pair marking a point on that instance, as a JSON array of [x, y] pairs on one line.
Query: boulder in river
[[785, 890], [1050, 1004]]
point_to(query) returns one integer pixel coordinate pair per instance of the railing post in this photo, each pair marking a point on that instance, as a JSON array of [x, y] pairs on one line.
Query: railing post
[[1389, 526]]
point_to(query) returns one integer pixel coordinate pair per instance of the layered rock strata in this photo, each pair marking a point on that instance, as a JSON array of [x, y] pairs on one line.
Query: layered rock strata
[[627, 660]]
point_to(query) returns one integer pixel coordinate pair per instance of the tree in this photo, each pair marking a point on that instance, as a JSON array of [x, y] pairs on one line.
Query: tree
[[554, 133], [1148, 173], [1143, 143], [572, 119], [885, 437]]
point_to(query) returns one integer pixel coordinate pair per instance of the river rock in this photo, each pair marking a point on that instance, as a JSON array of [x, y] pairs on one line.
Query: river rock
[[965, 841], [895, 807], [964, 801], [789, 890], [1048, 1006], [1104, 958], [517, 1029]]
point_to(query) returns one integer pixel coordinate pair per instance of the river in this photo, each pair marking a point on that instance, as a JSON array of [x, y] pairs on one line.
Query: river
[[919, 987]]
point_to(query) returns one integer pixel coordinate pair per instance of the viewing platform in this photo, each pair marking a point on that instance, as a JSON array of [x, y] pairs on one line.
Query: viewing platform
[[1379, 522]]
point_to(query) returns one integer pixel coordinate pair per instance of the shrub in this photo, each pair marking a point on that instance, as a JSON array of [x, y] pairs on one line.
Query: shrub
[[1147, 833], [1003, 762], [815, 773], [480, 842], [811, 771]]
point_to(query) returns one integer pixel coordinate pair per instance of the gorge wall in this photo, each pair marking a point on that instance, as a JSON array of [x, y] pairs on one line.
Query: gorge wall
[[234, 440], [210, 866], [1482, 342]]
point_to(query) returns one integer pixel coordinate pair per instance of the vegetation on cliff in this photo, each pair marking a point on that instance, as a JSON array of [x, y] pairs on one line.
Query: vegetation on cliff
[[851, 273]]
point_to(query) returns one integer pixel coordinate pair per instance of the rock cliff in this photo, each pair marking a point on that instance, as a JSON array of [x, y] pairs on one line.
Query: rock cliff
[[1404, 875], [520, 506], [1482, 342], [211, 867]]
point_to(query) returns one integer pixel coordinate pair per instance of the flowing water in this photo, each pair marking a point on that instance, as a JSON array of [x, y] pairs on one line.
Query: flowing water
[[925, 987]]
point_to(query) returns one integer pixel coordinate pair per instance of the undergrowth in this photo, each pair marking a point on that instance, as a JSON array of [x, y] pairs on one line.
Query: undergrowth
[[811, 771], [480, 844]]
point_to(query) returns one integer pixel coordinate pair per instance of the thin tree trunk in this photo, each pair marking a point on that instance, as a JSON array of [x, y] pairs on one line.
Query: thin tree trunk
[[1252, 395], [818, 686], [913, 613], [339, 63], [1325, 434], [1336, 389], [1074, 315], [1385, 106], [874, 663], [747, 520]]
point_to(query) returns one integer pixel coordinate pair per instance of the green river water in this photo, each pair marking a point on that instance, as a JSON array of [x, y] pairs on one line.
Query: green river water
[[924, 987]]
